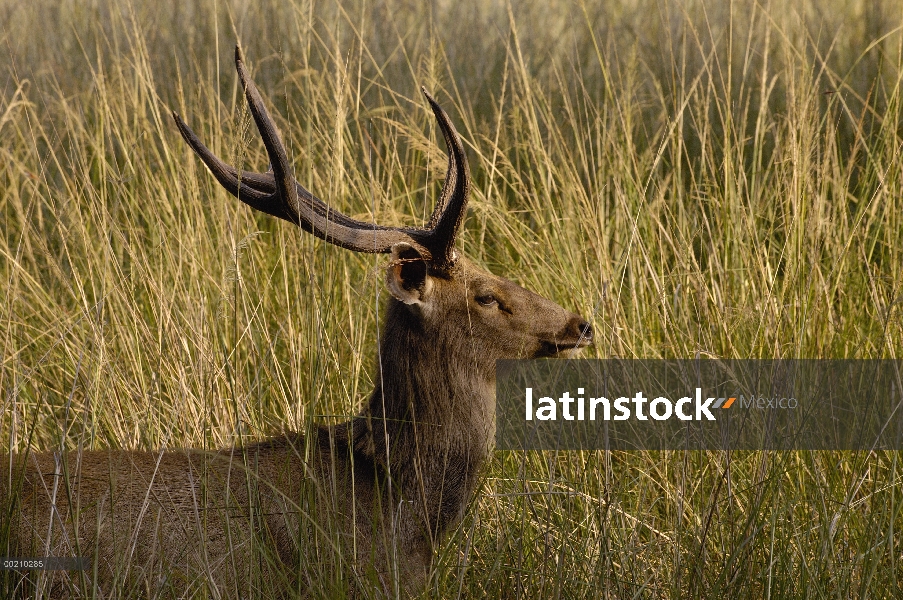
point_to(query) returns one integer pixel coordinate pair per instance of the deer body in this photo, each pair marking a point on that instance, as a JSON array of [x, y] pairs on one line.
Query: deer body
[[374, 495]]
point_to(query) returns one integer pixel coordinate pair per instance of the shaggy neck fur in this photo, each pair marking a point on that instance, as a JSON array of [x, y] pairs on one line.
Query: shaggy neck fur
[[430, 422]]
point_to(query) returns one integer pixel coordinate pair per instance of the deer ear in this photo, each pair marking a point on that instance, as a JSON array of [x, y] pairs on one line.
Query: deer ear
[[408, 277]]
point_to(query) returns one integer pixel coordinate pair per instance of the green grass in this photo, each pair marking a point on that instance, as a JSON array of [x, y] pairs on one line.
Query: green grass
[[695, 178]]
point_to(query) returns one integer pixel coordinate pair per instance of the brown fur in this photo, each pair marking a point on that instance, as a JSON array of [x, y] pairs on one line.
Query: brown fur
[[385, 486]]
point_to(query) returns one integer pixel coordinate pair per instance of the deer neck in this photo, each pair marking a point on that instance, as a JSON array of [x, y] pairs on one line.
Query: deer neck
[[434, 401]]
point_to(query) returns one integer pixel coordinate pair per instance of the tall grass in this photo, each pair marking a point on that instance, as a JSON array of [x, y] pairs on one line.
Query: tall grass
[[697, 178]]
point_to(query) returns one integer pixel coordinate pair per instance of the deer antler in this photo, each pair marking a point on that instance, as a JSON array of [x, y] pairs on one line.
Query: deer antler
[[278, 193]]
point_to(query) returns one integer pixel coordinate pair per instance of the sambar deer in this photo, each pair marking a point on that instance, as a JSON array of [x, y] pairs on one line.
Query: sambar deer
[[370, 498]]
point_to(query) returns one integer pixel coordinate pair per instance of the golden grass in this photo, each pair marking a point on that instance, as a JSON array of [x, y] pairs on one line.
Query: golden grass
[[698, 178]]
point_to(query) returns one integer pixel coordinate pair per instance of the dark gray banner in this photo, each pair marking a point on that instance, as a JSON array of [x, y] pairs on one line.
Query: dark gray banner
[[700, 404]]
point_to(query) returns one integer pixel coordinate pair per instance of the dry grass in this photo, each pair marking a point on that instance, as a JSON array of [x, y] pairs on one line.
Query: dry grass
[[699, 178]]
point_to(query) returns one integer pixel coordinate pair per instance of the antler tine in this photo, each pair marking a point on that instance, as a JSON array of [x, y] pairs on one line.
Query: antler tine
[[254, 189], [285, 183], [451, 207], [258, 190]]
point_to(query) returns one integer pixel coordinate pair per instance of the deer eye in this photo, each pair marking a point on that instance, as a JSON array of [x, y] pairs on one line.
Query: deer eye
[[486, 300]]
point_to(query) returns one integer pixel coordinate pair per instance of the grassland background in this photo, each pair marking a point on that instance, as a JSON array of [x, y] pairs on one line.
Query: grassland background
[[697, 178]]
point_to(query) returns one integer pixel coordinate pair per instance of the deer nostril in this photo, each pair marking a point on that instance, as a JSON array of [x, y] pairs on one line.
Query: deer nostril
[[586, 331]]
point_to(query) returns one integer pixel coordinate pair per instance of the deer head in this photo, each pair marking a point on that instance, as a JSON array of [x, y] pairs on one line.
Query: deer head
[[437, 292]]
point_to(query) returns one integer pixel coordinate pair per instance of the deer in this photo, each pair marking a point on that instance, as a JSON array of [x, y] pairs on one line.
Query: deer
[[371, 498]]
